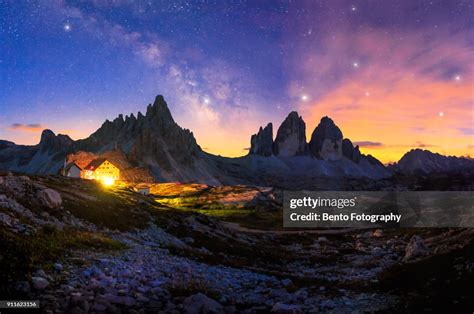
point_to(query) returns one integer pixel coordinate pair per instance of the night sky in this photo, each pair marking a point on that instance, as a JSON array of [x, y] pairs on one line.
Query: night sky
[[393, 75]]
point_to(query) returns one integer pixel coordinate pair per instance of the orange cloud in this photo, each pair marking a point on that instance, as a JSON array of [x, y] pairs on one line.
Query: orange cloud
[[33, 127], [414, 97]]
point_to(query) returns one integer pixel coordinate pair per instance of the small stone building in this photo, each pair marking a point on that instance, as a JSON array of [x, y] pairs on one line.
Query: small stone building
[[72, 170], [142, 189]]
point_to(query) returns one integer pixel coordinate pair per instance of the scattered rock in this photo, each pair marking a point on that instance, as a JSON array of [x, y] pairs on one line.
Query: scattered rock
[[323, 239], [415, 248], [377, 233], [58, 267], [40, 273], [188, 240], [6, 219], [39, 283], [200, 303], [50, 198], [67, 289], [77, 310], [282, 308], [99, 306]]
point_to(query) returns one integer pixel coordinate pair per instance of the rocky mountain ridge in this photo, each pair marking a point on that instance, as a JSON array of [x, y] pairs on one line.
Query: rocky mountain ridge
[[419, 161], [327, 142], [158, 146]]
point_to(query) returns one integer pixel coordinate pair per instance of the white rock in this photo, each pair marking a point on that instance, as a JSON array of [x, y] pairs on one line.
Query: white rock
[[323, 239], [50, 198], [39, 283]]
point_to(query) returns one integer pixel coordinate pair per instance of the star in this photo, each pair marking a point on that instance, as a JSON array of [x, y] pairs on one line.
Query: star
[[67, 27], [206, 101], [367, 94], [441, 114], [457, 78], [355, 65], [353, 8], [304, 97]]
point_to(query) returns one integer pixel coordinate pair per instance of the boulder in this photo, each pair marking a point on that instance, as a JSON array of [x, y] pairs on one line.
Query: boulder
[[50, 198], [200, 303], [7, 220], [378, 233], [291, 137], [39, 283], [415, 248], [326, 141], [58, 267], [262, 142]]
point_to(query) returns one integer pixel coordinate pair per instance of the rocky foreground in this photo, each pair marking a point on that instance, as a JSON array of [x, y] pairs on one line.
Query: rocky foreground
[[80, 248]]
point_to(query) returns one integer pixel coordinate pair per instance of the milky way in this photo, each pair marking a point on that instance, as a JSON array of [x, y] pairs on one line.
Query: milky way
[[395, 73]]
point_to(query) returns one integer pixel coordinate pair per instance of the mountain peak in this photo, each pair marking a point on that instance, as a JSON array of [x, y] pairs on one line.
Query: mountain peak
[[293, 115], [51, 141], [262, 142], [326, 140], [291, 136], [159, 109], [424, 161], [46, 135]]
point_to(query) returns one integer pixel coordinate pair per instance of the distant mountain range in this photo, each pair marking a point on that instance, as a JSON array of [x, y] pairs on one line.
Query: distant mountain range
[[155, 146], [418, 161]]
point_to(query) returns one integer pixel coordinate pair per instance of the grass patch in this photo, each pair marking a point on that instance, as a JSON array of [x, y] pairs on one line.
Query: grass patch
[[20, 255], [259, 219], [437, 283], [111, 207]]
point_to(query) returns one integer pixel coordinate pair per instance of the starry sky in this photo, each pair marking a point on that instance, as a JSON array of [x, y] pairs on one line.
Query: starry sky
[[393, 75]]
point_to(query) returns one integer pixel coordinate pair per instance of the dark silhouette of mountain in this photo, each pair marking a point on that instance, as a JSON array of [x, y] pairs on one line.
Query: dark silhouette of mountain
[[418, 161], [326, 142]]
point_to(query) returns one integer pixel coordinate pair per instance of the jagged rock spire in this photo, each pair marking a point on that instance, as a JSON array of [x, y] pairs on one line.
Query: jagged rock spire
[[349, 151], [326, 140], [291, 137], [262, 142], [159, 111]]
